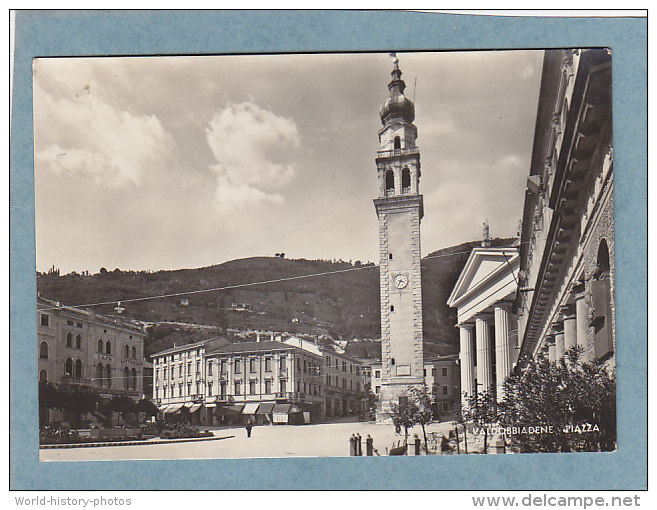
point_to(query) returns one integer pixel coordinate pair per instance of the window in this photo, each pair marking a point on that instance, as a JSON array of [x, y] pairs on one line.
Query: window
[[78, 368], [43, 350], [445, 406], [68, 367], [390, 256], [238, 389], [157, 374], [126, 380], [69, 323], [126, 351], [43, 376], [134, 379], [252, 364], [377, 374], [210, 389], [69, 339], [424, 372], [79, 324], [282, 384], [406, 178], [198, 368], [108, 375], [444, 371], [344, 366], [134, 352], [305, 366], [298, 364], [222, 388], [198, 388], [108, 348], [392, 308], [99, 374], [238, 368], [390, 180], [45, 319], [78, 341], [189, 368], [164, 373], [267, 364], [397, 143], [210, 367], [282, 362], [445, 390], [267, 386], [189, 388], [377, 389], [252, 388]]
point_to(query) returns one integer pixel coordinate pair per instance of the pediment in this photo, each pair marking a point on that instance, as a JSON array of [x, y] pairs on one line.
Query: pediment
[[483, 268]]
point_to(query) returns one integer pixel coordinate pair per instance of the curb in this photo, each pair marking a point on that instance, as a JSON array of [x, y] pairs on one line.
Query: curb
[[131, 443]]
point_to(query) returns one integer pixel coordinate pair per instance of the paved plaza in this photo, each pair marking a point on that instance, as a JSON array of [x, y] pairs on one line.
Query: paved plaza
[[316, 440]]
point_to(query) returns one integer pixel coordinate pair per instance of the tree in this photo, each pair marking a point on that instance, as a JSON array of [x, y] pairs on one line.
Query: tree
[[423, 409], [372, 399], [565, 394], [481, 410], [403, 415], [147, 407]]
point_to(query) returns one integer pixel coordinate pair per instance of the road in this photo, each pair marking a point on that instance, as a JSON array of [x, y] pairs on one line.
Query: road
[[316, 440]]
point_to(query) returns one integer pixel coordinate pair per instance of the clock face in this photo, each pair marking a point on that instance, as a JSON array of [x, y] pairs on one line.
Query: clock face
[[400, 280]]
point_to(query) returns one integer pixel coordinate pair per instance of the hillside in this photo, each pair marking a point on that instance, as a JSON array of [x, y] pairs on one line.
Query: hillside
[[340, 306]]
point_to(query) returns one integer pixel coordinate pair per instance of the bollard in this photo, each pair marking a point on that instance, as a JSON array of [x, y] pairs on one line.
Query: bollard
[[352, 446], [359, 445], [417, 444], [369, 446]]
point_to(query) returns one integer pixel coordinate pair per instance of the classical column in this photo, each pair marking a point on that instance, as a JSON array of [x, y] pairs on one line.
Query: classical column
[[569, 329], [484, 367], [467, 362], [581, 313], [552, 349], [559, 344], [502, 346]]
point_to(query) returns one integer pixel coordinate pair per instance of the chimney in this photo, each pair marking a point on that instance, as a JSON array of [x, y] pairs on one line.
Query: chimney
[[257, 336]]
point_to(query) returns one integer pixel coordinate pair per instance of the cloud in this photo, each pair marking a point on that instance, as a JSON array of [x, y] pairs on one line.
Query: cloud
[[251, 146], [85, 134]]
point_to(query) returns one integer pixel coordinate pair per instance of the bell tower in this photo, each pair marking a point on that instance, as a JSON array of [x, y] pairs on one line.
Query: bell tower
[[399, 208]]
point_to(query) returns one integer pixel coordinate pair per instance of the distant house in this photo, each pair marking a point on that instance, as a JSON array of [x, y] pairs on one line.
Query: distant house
[[184, 302]]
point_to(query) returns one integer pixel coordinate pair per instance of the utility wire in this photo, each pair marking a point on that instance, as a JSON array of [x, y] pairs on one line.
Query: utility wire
[[238, 286]]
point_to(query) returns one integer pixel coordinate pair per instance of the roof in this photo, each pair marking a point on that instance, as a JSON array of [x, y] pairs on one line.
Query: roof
[[208, 342], [253, 347]]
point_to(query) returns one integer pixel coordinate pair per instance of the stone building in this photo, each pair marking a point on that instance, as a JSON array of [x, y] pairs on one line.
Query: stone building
[[79, 347], [343, 384], [483, 296], [179, 379], [399, 209], [445, 383], [566, 277]]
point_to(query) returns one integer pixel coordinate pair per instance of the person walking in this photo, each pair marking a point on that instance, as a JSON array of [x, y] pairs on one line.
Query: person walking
[[248, 427]]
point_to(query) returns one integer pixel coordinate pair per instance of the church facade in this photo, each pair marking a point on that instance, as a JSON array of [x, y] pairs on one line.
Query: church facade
[[399, 208]]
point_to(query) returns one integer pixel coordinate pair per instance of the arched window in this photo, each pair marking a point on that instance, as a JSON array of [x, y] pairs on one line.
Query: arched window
[[126, 351], [43, 350], [100, 345], [43, 376], [397, 143], [126, 378], [78, 341], [99, 374], [134, 379], [406, 179], [603, 260], [68, 367], [390, 180], [78, 368], [108, 375], [108, 347], [134, 352], [69, 339]]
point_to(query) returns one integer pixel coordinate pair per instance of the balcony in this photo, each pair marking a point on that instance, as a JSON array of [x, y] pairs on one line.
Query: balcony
[[398, 152]]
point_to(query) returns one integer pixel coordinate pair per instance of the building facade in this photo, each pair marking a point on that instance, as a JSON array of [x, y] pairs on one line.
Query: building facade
[[80, 347], [567, 271], [273, 381], [483, 296], [445, 383], [399, 209]]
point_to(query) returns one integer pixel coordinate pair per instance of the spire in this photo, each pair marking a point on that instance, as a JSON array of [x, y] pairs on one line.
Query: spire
[[396, 85], [397, 105]]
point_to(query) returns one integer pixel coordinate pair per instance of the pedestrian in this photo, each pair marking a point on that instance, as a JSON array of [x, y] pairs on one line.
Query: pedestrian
[[249, 426]]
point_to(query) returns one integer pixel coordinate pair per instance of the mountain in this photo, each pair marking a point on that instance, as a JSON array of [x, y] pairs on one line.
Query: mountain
[[343, 305]]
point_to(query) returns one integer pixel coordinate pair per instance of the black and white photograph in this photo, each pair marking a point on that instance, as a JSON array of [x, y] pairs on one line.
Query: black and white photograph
[[324, 254]]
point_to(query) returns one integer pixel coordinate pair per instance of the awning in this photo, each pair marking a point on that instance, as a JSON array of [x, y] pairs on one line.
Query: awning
[[164, 408], [250, 408], [281, 408], [188, 404], [195, 408], [211, 405], [173, 408], [232, 409], [266, 408]]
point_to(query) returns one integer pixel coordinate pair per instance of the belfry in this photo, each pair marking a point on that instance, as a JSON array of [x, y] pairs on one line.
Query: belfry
[[399, 208]]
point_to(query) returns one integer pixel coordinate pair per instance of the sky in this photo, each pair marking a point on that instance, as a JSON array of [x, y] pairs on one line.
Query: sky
[[149, 163]]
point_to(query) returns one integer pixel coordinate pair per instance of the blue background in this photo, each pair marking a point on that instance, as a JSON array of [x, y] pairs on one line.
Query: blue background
[[67, 33]]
